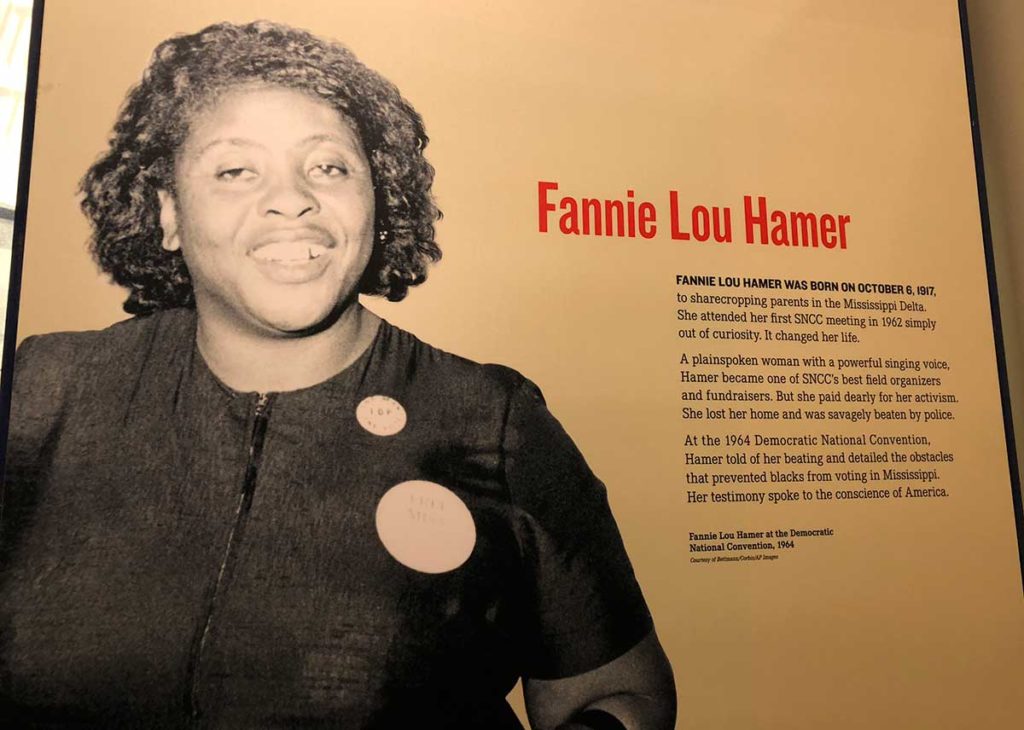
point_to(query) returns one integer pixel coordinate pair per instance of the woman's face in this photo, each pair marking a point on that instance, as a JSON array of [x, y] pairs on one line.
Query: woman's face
[[273, 210]]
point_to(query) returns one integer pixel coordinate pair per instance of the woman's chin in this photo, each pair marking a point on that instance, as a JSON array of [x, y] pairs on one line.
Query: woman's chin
[[297, 320]]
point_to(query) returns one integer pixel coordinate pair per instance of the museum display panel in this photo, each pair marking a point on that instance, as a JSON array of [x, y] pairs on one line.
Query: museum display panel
[[739, 248]]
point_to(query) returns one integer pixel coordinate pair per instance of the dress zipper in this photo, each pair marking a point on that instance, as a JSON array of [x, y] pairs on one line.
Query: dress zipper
[[261, 414]]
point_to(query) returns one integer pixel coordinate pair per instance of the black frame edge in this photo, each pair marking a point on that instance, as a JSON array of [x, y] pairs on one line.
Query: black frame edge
[[993, 293], [20, 219]]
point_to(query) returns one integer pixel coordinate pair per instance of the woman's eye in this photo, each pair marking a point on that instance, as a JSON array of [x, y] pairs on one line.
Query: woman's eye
[[233, 174], [327, 169]]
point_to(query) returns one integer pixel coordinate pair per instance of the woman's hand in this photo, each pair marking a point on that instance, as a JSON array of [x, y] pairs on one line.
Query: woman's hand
[[637, 688]]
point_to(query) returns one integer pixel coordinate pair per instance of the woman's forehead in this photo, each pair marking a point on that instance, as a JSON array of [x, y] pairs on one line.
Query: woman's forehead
[[267, 114]]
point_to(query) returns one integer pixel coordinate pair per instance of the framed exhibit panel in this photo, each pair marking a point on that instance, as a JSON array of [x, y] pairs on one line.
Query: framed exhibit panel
[[739, 247]]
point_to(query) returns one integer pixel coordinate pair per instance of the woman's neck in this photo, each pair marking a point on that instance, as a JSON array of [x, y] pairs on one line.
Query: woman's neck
[[248, 361]]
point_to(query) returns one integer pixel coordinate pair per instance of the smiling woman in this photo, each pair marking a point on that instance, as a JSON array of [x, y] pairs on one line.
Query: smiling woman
[[273, 212], [256, 504]]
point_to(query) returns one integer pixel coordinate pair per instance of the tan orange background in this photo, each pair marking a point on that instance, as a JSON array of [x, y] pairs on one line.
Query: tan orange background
[[911, 616]]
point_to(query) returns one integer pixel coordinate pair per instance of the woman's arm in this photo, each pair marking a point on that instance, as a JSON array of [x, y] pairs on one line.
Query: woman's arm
[[637, 689]]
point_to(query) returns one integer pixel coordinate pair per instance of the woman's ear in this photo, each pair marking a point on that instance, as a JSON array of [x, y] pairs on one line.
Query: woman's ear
[[169, 221]]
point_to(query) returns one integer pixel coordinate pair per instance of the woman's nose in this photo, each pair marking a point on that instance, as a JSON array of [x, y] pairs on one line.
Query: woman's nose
[[288, 196]]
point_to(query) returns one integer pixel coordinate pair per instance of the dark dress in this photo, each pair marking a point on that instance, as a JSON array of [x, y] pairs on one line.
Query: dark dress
[[177, 554]]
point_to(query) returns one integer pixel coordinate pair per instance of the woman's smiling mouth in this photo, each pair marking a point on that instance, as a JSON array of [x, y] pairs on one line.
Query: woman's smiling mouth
[[292, 258], [294, 251]]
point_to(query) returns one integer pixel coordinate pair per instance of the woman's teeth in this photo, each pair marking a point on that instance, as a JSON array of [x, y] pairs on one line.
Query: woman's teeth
[[289, 252]]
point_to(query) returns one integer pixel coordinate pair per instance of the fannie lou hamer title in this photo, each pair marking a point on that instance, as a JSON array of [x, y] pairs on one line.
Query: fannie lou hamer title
[[630, 217]]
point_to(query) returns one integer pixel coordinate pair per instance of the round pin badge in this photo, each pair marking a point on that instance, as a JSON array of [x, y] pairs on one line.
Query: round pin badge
[[425, 526], [381, 415]]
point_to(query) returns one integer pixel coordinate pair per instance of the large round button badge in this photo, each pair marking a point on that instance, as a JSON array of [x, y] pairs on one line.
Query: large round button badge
[[425, 526], [381, 415]]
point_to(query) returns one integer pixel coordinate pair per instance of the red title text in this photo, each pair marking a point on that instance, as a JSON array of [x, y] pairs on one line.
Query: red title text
[[631, 217]]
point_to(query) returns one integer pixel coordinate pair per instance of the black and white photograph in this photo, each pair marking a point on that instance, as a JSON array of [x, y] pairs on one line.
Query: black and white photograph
[[255, 503]]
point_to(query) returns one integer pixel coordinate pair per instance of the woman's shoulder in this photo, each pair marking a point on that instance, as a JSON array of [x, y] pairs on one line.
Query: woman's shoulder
[[445, 373], [111, 342], [50, 364]]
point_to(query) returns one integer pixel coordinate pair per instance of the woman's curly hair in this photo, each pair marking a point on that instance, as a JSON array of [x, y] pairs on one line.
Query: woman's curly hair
[[187, 72]]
